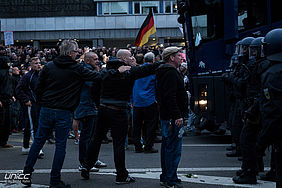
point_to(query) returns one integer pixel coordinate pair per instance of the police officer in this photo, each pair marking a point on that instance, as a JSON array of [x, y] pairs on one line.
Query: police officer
[[271, 81], [227, 78], [251, 117], [239, 80]]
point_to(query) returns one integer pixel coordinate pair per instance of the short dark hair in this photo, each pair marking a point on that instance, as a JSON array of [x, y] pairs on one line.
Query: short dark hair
[[139, 58]]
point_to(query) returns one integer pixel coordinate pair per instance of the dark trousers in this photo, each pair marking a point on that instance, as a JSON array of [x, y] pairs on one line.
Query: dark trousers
[[4, 124], [15, 115], [278, 162], [248, 140], [117, 120], [145, 120], [237, 123], [86, 126], [35, 110]]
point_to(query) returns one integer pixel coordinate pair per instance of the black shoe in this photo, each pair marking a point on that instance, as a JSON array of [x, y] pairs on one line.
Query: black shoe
[[140, 150], [231, 147], [174, 186], [105, 141], [27, 182], [85, 173], [60, 184], [151, 150], [51, 141], [269, 176], [129, 179], [239, 172], [240, 158], [233, 153], [178, 180], [157, 140], [246, 177]]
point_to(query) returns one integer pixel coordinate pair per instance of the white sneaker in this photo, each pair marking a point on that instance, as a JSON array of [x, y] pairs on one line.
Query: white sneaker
[[100, 164], [25, 151], [41, 154], [91, 170]]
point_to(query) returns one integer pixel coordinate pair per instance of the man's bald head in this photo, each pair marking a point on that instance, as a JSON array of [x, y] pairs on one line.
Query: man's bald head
[[122, 52], [125, 56]]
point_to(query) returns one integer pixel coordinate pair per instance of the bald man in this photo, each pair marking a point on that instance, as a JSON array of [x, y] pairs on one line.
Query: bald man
[[115, 95]]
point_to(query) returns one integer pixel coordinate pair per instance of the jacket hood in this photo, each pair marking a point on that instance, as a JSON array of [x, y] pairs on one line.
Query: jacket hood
[[165, 67], [114, 64], [3, 62], [64, 61]]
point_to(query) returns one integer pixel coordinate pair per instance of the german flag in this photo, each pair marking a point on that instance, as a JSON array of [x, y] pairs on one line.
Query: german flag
[[146, 30]]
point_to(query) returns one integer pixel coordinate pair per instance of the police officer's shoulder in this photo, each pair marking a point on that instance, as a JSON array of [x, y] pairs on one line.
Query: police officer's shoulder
[[263, 66]]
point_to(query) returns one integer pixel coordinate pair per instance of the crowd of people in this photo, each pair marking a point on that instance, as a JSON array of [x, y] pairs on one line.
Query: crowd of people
[[96, 89]]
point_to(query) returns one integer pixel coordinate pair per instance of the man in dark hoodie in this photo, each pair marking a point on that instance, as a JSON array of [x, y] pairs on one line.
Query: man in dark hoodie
[[115, 95], [6, 93], [173, 102], [58, 91]]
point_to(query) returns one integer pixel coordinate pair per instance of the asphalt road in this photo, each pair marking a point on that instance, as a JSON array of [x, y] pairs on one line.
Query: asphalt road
[[202, 156]]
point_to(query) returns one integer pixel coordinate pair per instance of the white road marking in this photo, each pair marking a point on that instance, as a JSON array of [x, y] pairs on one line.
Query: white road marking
[[205, 145], [4, 184], [143, 170]]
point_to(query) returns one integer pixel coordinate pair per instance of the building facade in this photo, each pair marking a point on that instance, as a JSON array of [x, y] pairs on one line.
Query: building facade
[[42, 23]]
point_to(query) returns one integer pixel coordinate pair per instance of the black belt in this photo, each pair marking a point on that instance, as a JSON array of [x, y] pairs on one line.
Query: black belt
[[112, 107]]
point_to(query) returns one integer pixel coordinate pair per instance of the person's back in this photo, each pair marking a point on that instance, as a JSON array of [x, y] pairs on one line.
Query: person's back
[[145, 111], [144, 91], [115, 89], [60, 83], [58, 91]]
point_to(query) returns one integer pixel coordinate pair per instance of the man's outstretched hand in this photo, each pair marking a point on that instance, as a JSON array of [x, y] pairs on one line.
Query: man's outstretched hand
[[123, 68]]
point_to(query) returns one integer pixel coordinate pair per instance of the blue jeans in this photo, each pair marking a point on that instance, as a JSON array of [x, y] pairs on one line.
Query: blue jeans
[[50, 118], [170, 152]]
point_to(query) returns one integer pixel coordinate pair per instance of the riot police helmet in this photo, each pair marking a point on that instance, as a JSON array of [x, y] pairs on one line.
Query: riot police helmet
[[237, 47], [255, 48], [233, 61], [247, 41], [272, 44], [244, 46]]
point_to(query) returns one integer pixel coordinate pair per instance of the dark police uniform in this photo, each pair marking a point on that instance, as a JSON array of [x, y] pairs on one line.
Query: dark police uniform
[[272, 114], [271, 103]]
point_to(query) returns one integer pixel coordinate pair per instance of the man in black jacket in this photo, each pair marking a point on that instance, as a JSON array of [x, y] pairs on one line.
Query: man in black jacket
[[6, 93], [115, 95], [173, 102], [25, 91], [58, 91]]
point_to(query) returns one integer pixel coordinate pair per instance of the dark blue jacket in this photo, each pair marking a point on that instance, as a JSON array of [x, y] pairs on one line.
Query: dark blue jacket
[[25, 90], [87, 106]]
